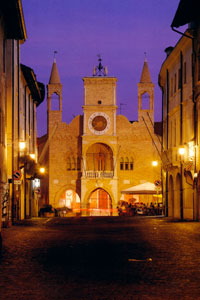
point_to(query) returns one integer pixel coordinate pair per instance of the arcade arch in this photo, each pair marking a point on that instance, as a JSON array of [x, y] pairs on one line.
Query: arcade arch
[[171, 197], [99, 203], [68, 199], [177, 202]]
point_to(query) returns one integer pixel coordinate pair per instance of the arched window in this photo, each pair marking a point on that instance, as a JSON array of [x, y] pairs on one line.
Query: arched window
[[78, 163], [55, 102], [99, 157], [121, 163], [126, 163], [145, 101], [68, 163], [131, 164], [73, 163]]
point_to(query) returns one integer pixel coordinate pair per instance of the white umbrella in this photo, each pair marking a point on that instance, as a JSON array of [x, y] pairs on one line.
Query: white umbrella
[[144, 188]]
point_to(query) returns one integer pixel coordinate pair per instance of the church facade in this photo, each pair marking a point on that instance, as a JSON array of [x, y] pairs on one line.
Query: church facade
[[94, 159]]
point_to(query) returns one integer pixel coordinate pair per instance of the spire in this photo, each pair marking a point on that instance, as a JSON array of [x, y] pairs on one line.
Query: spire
[[145, 77], [54, 77]]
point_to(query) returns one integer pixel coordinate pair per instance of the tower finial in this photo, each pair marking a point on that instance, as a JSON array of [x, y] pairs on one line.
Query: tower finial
[[100, 70], [145, 56], [54, 55]]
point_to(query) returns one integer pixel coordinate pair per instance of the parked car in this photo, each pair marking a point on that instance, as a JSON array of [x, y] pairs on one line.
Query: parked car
[[46, 211]]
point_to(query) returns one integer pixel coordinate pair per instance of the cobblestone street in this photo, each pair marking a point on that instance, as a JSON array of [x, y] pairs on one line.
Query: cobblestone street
[[101, 258]]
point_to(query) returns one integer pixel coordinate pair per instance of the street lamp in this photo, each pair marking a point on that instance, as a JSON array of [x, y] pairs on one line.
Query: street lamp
[[22, 146], [32, 155], [154, 163], [42, 170], [181, 151]]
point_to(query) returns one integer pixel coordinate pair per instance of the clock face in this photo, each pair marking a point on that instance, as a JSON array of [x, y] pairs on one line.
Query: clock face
[[99, 123]]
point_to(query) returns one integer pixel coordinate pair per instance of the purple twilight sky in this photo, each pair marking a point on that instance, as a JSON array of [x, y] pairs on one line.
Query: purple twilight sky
[[120, 30]]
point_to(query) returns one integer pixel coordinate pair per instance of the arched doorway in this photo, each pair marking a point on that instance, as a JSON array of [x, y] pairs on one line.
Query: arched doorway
[[69, 202], [100, 203], [177, 200], [171, 197]]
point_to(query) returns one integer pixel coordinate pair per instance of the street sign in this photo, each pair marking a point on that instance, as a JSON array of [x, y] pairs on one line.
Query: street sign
[[157, 183], [37, 190], [17, 175], [17, 181]]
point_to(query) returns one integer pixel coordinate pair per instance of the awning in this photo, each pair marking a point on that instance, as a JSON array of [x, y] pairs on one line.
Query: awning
[[144, 188]]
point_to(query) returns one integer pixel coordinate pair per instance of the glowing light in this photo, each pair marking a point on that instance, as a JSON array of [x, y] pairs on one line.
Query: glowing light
[[42, 170], [191, 149], [36, 183], [154, 163], [22, 145], [181, 151], [32, 155]]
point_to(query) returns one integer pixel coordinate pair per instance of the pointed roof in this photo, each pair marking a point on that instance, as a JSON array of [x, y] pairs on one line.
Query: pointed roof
[[54, 77], [145, 77]]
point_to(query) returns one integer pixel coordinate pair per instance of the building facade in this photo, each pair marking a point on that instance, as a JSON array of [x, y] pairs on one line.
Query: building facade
[[99, 154], [179, 80], [20, 93]]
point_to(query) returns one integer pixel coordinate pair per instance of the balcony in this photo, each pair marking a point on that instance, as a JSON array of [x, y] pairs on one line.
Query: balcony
[[99, 174]]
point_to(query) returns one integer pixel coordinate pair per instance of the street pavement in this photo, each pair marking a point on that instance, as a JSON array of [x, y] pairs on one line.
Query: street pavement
[[100, 258]]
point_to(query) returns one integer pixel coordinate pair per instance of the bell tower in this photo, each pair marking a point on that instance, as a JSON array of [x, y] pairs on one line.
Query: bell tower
[[54, 88], [145, 95], [99, 107]]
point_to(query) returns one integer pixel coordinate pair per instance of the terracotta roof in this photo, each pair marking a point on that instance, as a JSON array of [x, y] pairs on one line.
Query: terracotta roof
[[54, 77], [145, 77]]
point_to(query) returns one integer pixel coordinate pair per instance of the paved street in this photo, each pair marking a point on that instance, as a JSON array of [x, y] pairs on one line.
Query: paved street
[[101, 258]]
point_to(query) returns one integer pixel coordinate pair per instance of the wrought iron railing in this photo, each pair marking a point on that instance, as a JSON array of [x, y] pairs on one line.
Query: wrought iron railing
[[99, 174]]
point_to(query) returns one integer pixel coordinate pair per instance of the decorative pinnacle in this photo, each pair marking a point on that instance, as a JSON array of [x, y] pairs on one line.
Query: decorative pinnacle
[[100, 70], [54, 55], [145, 56]]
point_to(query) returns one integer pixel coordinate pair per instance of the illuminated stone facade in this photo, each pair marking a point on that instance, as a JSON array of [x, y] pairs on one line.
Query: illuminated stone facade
[[179, 79], [99, 153]]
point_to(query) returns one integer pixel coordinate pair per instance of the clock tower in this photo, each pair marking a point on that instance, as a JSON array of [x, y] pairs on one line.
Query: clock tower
[[99, 140]]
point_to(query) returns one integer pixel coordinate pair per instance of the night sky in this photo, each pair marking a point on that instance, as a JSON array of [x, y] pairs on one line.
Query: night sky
[[120, 30]]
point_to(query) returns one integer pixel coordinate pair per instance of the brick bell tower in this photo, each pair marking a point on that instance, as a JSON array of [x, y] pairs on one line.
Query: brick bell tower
[[145, 95], [54, 94]]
